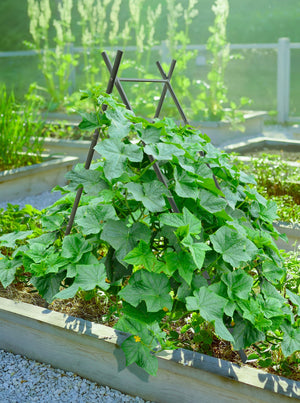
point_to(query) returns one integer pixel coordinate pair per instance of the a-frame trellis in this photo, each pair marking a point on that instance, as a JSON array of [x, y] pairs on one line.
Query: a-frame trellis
[[115, 81]]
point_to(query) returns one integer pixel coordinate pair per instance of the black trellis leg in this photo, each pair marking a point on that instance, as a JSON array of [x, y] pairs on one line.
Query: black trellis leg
[[117, 82], [94, 140]]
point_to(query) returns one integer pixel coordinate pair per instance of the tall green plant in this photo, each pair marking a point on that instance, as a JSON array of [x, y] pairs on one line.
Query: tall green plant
[[215, 261], [56, 65], [177, 41], [20, 130], [94, 30], [212, 100]]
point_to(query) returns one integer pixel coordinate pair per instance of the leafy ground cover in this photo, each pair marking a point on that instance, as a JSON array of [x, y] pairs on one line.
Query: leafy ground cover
[[20, 127], [64, 130], [209, 270], [278, 181]]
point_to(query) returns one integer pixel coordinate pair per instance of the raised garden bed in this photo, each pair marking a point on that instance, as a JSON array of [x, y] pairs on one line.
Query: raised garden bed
[[92, 350], [36, 178], [221, 132], [133, 229], [63, 147], [264, 144]]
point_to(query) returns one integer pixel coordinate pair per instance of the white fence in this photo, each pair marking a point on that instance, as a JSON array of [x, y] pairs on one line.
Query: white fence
[[283, 47]]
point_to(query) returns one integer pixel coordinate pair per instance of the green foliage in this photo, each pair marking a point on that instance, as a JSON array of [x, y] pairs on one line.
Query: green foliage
[[15, 219], [211, 261], [277, 181], [56, 65], [20, 128], [211, 103], [102, 27]]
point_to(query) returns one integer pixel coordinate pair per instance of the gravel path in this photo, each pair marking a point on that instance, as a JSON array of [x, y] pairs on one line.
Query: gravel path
[[26, 381]]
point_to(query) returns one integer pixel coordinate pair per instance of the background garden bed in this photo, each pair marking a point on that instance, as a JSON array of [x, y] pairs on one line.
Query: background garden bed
[[63, 147], [36, 178], [92, 351], [222, 132]]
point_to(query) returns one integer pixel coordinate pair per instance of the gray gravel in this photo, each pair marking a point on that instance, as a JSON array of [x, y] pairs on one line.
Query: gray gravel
[[26, 381]]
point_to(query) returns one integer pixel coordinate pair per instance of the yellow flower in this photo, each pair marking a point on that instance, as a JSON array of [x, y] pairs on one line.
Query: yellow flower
[[165, 309], [137, 339]]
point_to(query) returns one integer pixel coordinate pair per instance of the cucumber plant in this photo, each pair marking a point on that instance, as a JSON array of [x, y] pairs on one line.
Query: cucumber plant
[[215, 261]]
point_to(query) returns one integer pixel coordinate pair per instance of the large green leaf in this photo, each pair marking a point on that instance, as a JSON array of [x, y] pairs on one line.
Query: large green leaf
[[90, 121], [232, 196], [182, 219], [272, 271], [137, 352], [253, 194], [137, 348], [9, 240], [150, 194], [38, 252], [245, 333], [269, 291], [8, 270], [261, 239], [294, 298], [48, 285], [120, 126], [116, 155], [210, 202], [50, 264], [185, 185], [140, 313], [91, 180], [163, 151], [142, 255], [122, 238], [150, 134], [45, 240], [211, 307], [52, 222], [183, 262], [130, 324], [153, 288], [91, 218], [235, 249], [197, 249], [205, 177], [88, 277], [271, 307], [269, 212], [252, 311], [291, 340], [74, 246], [239, 284]]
